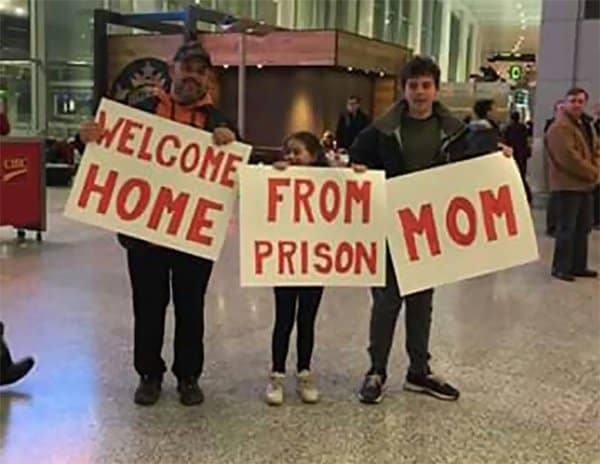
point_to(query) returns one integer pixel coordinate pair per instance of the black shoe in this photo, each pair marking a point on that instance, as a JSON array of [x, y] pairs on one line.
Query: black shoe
[[371, 391], [432, 385], [190, 392], [148, 391], [586, 273], [563, 276], [16, 371]]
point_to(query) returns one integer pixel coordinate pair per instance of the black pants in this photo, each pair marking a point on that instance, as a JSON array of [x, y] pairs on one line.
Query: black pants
[[5, 357], [522, 165], [295, 303], [154, 272], [596, 215], [573, 223], [551, 215], [387, 303]]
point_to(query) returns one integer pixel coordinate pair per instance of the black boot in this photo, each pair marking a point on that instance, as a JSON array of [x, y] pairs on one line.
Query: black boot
[[190, 392], [148, 391], [10, 371]]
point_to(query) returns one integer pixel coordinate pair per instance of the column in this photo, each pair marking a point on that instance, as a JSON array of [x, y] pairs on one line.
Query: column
[[461, 74], [417, 21], [445, 39], [556, 72]]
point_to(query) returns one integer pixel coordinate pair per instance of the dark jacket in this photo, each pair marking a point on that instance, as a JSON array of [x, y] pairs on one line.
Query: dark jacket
[[483, 137], [349, 127], [4, 124], [380, 145], [516, 136]]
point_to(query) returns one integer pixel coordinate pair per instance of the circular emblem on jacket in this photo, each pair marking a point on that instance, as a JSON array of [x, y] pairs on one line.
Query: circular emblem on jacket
[[137, 81]]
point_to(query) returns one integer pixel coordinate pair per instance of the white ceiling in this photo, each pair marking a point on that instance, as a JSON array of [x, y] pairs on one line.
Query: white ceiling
[[507, 25], [505, 12]]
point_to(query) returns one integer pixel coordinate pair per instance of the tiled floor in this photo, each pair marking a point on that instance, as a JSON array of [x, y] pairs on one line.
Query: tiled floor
[[524, 350]]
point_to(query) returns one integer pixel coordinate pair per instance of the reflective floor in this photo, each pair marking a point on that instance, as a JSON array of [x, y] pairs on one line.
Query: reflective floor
[[524, 350]]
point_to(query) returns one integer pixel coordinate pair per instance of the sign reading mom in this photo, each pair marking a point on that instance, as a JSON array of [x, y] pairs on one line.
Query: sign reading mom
[[458, 221], [157, 180]]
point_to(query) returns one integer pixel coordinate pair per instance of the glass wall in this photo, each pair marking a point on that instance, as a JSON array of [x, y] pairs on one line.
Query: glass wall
[[57, 70]]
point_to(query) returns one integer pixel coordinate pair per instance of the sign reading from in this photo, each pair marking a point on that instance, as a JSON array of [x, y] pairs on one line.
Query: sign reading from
[[458, 221], [157, 180], [311, 226]]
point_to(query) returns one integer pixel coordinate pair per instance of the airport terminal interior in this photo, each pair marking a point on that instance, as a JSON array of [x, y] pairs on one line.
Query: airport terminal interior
[[522, 344]]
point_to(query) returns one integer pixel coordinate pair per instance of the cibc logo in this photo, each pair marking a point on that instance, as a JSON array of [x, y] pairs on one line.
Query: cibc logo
[[13, 168]]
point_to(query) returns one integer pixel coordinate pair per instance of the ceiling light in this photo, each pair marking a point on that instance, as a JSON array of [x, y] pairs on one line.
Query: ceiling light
[[226, 66], [259, 66], [350, 68], [20, 11]]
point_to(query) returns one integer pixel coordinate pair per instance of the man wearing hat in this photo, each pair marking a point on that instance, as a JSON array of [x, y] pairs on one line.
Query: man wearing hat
[[155, 270]]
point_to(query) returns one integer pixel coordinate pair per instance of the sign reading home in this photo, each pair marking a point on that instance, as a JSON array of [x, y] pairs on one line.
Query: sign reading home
[[157, 180]]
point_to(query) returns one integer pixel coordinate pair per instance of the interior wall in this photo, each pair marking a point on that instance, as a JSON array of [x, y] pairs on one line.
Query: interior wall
[[282, 100]]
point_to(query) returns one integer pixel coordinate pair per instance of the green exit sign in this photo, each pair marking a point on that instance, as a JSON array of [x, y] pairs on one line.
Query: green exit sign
[[515, 72]]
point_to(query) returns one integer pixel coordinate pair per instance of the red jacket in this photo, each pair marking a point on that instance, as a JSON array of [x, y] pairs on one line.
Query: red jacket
[[4, 124]]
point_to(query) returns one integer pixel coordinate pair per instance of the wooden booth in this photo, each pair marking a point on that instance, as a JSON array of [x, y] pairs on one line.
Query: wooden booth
[[293, 80]]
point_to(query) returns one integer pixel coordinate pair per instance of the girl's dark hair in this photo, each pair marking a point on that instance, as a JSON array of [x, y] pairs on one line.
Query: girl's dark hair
[[312, 144], [420, 66], [481, 108], [515, 116]]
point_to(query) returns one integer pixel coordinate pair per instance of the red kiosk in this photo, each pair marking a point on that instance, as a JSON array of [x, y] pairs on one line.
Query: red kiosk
[[22, 185]]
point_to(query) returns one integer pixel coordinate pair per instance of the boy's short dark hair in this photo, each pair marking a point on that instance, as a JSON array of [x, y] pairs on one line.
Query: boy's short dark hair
[[355, 98], [515, 116], [574, 91], [481, 108], [420, 66]]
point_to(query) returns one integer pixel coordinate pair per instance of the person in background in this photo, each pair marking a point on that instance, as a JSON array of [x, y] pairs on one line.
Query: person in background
[[574, 159], [157, 272], [516, 136], [328, 141], [550, 207], [296, 304], [415, 134], [351, 122], [483, 135], [11, 371], [596, 192], [4, 123]]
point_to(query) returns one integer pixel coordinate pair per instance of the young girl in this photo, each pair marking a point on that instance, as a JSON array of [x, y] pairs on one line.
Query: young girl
[[296, 303]]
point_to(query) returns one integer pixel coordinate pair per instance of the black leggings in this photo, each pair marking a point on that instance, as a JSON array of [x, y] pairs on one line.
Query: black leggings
[[287, 299]]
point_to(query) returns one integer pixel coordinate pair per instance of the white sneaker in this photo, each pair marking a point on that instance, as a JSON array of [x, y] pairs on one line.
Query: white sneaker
[[306, 388], [274, 394]]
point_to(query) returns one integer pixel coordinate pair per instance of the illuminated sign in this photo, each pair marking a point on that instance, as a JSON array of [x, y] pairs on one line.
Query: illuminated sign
[[515, 72]]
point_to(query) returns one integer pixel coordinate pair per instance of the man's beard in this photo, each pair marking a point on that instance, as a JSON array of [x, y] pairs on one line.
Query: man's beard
[[188, 91]]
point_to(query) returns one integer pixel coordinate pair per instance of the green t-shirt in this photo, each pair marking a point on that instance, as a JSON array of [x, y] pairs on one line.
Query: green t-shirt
[[421, 142]]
